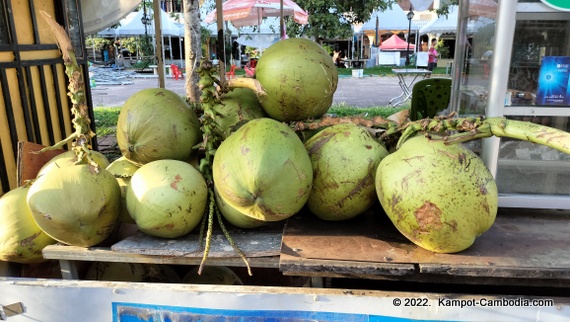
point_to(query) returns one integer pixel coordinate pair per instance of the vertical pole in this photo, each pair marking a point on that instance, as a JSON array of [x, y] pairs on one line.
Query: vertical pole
[[498, 80], [281, 22], [159, 47], [221, 40]]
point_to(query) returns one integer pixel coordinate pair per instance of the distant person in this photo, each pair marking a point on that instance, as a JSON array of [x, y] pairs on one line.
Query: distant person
[[487, 55], [336, 57], [432, 55]]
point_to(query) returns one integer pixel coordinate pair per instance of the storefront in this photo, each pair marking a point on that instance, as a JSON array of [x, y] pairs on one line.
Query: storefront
[[517, 66]]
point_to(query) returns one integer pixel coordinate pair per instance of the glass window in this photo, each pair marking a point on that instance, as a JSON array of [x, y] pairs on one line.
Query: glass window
[[537, 42]]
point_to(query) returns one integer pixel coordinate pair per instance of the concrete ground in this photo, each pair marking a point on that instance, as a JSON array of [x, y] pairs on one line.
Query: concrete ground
[[360, 92]]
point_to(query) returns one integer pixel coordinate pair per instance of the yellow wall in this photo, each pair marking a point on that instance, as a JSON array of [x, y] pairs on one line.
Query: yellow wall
[[25, 35]]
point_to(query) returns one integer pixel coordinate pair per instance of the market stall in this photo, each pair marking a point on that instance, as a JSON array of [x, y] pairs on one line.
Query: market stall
[[517, 270]]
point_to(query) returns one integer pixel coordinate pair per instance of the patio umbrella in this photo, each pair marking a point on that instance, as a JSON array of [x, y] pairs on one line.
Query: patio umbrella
[[250, 12]]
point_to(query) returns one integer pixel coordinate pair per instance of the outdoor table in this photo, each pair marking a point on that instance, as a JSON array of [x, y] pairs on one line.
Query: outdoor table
[[406, 87]]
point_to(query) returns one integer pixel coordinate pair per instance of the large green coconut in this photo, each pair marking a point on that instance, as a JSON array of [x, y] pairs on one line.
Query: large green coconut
[[441, 197], [299, 77], [344, 158], [69, 158], [123, 170], [155, 124], [263, 171], [237, 107], [76, 205], [21, 240], [167, 198]]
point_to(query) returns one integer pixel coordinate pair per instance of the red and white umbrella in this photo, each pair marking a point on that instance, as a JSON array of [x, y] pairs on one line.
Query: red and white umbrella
[[250, 12]]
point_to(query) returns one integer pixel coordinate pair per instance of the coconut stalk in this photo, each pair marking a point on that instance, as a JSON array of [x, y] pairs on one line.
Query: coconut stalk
[[81, 138], [212, 138], [472, 128]]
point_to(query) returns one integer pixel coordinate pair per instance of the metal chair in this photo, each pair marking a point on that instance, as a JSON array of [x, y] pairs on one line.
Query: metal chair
[[232, 73], [176, 72], [430, 96]]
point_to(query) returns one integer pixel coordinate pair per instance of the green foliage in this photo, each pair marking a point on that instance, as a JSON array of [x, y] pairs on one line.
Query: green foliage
[[442, 49], [106, 120], [341, 110], [97, 42], [333, 20]]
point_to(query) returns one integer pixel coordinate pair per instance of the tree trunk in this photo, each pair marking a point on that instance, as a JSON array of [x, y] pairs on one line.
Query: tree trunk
[[192, 48]]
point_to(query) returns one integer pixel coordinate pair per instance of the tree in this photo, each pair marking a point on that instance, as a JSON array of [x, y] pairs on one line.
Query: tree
[[192, 48], [334, 19]]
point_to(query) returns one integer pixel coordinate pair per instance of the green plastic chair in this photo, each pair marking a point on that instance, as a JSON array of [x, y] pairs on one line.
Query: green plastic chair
[[430, 96]]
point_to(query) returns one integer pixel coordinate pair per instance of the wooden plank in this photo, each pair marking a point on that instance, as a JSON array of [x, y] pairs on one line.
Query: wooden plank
[[260, 242], [521, 244], [291, 265], [101, 254]]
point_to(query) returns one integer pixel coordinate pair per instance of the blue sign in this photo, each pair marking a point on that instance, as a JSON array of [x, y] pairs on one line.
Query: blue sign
[[553, 79], [135, 312]]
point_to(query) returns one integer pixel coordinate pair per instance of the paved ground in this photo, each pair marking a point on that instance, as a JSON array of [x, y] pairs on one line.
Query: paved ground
[[360, 92]]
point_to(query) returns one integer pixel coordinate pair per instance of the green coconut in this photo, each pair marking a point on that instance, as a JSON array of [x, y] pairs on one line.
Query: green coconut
[[220, 275], [236, 108], [167, 198], [263, 171], [235, 217], [76, 205], [344, 158], [156, 124], [21, 240], [123, 170], [69, 158], [441, 197], [299, 77]]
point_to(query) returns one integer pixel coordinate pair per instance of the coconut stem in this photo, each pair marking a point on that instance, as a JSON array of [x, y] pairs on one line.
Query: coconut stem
[[212, 138], [472, 128], [231, 241], [81, 138], [245, 82], [211, 206], [326, 121]]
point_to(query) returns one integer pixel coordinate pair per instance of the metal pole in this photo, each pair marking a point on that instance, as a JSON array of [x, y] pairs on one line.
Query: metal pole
[[504, 34], [409, 16]]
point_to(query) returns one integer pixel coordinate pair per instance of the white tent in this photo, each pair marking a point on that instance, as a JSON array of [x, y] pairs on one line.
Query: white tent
[[392, 20], [132, 26], [135, 27], [448, 24]]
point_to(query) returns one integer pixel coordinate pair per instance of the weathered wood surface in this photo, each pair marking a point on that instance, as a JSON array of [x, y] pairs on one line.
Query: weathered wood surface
[[531, 244], [70, 254], [259, 242]]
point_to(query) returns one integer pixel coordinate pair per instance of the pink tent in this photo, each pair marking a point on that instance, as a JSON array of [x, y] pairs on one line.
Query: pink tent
[[395, 43]]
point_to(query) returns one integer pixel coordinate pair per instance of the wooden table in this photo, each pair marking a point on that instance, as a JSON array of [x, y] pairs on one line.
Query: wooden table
[[523, 247], [406, 86]]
